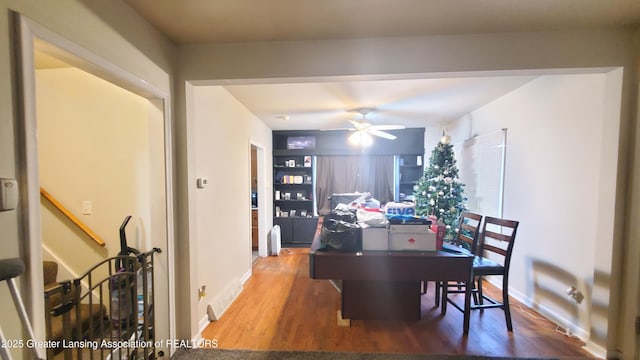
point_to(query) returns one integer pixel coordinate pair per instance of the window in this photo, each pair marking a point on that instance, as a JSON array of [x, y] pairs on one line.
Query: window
[[481, 162]]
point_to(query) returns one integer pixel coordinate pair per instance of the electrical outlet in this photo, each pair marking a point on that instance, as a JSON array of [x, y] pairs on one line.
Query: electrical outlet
[[578, 297], [575, 294]]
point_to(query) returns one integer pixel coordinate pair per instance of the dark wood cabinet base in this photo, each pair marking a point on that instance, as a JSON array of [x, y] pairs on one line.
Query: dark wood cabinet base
[[385, 285], [296, 230], [380, 300]]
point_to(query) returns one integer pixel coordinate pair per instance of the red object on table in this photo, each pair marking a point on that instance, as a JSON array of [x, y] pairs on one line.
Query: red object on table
[[434, 222], [440, 236], [439, 229]]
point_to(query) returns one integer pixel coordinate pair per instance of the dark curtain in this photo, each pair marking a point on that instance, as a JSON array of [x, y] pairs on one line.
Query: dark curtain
[[348, 174], [334, 175], [376, 177]]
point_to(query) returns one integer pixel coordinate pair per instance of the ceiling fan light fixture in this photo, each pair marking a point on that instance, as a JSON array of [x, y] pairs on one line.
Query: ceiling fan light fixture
[[355, 138], [366, 139], [361, 138]]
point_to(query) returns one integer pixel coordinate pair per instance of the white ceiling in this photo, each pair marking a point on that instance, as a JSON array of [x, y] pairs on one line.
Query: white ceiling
[[412, 102], [206, 21]]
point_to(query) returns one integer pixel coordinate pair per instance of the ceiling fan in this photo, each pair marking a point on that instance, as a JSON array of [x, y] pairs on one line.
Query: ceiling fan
[[364, 129]]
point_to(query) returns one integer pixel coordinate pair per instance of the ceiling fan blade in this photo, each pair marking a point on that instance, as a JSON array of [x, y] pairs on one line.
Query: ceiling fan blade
[[382, 134], [341, 129], [359, 125], [387, 127]]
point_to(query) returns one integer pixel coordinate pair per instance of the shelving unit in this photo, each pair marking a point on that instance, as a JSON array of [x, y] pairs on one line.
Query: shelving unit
[[297, 144], [409, 169], [294, 204]]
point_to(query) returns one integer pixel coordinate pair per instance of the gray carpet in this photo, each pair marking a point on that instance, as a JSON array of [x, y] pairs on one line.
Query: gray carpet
[[206, 354]]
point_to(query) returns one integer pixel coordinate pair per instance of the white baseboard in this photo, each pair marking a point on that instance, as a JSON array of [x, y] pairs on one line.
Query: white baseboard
[[202, 324], [599, 352], [196, 339], [573, 328], [551, 315], [246, 276], [221, 302]]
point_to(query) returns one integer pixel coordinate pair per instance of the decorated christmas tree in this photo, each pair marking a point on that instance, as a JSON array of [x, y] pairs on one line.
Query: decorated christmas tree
[[439, 191]]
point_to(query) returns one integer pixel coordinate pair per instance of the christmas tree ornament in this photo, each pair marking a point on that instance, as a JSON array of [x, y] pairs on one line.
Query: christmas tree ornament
[[445, 139]]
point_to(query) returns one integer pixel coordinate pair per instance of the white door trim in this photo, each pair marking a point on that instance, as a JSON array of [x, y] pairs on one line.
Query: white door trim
[[29, 31]]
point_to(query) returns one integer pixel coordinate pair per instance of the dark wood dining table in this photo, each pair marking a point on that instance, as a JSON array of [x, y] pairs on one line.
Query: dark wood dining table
[[386, 285]]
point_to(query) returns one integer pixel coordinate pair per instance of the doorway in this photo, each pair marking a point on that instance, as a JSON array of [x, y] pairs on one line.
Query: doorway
[[258, 184], [255, 210], [155, 228]]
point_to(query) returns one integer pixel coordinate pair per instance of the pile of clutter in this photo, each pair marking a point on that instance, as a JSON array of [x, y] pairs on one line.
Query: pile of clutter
[[359, 226]]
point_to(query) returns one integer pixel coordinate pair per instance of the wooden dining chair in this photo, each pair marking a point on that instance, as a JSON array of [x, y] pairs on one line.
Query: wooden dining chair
[[466, 241], [494, 259]]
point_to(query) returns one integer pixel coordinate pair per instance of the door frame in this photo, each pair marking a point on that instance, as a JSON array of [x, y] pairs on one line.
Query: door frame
[[27, 33], [262, 190]]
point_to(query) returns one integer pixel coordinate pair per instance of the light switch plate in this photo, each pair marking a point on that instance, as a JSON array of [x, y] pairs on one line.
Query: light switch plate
[[8, 194], [87, 207]]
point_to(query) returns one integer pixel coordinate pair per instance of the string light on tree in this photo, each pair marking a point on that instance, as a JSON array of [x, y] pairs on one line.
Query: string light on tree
[[439, 191]]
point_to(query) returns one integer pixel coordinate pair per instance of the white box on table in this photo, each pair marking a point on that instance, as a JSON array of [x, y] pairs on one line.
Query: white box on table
[[411, 237], [374, 238], [393, 208], [410, 228]]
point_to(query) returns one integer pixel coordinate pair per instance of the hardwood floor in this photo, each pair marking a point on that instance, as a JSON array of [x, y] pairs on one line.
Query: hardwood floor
[[281, 308]]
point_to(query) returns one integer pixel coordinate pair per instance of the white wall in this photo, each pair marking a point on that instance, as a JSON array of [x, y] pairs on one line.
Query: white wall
[[101, 143], [441, 56], [135, 46], [566, 52], [94, 145], [557, 163], [112, 30], [223, 129]]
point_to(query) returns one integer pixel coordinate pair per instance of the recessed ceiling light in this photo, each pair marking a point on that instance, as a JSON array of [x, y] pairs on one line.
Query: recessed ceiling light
[[283, 117]]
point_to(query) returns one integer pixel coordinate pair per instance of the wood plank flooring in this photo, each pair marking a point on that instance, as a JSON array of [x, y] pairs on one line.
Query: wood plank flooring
[[281, 308]]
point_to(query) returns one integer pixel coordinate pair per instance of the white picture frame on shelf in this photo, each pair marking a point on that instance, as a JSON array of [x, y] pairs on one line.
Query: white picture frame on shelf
[[307, 161], [292, 213], [303, 213]]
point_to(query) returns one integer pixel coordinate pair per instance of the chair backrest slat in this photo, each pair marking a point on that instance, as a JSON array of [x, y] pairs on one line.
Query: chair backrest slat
[[495, 249], [492, 238], [496, 236], [469, 229], [465, 238], [466, 226]]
